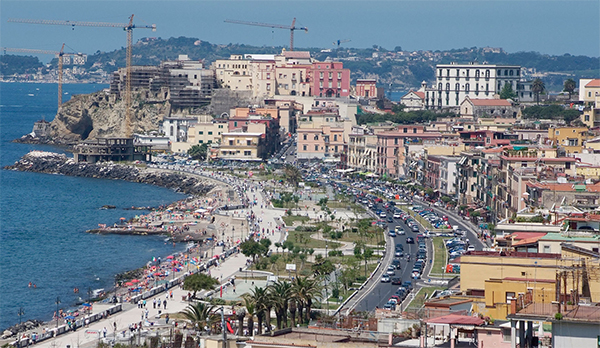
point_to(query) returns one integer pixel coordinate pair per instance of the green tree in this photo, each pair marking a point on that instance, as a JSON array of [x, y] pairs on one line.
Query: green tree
[[569, 87], [265, 243], [292, 174], [199, 314], [537, 87], [507, 92], [198, 152], [281, 292], [260, 298], [323, 268], [304, 290], [199, 281], [252, 248], [251, 312]]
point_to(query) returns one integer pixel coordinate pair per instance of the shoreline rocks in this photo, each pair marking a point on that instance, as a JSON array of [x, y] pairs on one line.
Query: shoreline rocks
[[54, 163]]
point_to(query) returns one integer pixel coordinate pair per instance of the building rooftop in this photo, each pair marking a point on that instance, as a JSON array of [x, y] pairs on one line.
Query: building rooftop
[[514, 254], [490, 102], [456, 319], [593, 83]]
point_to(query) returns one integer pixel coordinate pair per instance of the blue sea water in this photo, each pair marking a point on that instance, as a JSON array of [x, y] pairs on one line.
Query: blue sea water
[[43, 218]]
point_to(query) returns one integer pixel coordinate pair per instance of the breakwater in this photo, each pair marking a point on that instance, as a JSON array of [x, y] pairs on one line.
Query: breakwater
[[54, 163]]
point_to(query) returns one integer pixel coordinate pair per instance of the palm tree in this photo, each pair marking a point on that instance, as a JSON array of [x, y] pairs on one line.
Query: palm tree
[[240, 314], [305, 290], [259, 298], [199, 314], [292, 175], [537, 87], [251, 311], [281, 292]]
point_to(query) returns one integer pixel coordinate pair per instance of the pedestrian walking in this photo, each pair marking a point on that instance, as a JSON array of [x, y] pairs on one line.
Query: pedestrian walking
[[167, 318], [154, 303], [165, 304], [104, 332]]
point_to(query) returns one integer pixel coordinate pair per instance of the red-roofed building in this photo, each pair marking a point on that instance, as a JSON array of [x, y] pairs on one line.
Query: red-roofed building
[[478, 108]]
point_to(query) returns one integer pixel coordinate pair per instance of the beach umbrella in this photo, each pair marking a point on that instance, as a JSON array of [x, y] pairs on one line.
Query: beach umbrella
[[123, 218], [170, 257], [86, 305], [134, 281], [69, 317], [129, 283]]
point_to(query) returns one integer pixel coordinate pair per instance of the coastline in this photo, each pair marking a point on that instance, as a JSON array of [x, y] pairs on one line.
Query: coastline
[[197, 186]]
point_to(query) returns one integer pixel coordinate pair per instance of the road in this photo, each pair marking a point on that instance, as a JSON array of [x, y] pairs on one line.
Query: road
[[379, 294]]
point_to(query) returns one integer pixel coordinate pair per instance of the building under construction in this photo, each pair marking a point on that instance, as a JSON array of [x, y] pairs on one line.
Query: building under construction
[[183, 82], [111, 149]]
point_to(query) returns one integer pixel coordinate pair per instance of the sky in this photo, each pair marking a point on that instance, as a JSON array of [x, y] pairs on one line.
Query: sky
[[549, 27]]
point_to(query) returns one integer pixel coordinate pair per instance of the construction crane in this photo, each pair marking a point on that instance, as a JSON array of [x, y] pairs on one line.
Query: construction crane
[[291, 28], [339, 42], [60, 54], [128, 27]]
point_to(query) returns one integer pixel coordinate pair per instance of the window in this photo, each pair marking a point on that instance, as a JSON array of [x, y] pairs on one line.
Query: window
[[330, 84], [447, 86], [201, 132], [467, 88], [457, 87], [339, 75], [209, 132], [499, 72], [511, 72], [487, 74], [405, 130], [235, 123], [200, 141], [268, 86], [587, 117], [339, 84], [330, 75], [546, 249], [396, 141], [336, 148], [505, 72], [477, 73], [320, 84], [316, 137], [247, 153], [304, 147], [268, 76], [439, 86], [414, 130], [321, 75], [335, 137], [316, 147], [304, 137], [448, 72]]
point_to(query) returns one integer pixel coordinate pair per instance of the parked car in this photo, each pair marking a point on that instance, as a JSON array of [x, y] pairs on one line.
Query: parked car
[[385, 278], [396, 281], [410, 240], [391, 270]]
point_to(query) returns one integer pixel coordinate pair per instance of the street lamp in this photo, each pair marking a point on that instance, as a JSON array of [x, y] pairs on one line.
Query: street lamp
[[57, 316], [326, 254], [20, 313]]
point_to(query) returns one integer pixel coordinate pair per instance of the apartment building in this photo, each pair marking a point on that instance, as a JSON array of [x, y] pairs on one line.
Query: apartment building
[[205, 131], [330, 79], [247, 144], [454, 82], [321, 135], [366, 88], [488, 108], [571, 139]]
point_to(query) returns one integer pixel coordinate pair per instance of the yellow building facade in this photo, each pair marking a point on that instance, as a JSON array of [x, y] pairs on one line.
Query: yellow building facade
[[570, 138]]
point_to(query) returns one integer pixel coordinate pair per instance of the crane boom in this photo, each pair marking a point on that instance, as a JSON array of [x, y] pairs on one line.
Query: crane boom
[[128, 27], [81, 23], [291, 28], [59, 54]]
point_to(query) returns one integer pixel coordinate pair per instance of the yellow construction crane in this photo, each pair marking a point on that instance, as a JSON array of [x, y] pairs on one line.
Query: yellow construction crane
[[60, 54], [128, 27], [291, 28]]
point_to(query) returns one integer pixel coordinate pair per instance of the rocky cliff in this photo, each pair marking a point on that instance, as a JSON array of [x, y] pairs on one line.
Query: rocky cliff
[[101, 114], [54, 163]]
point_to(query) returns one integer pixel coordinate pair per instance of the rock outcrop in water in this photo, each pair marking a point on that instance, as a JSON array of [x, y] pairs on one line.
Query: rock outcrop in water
[[54, 163]]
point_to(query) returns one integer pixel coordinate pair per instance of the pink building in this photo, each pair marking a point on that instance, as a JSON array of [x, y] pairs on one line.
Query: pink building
[[330, 79], [390, 147], [366, 88]]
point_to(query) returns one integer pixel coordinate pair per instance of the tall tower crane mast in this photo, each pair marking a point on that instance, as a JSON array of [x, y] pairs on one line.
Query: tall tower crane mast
[[60, 54], [291, 28], [128, 27]]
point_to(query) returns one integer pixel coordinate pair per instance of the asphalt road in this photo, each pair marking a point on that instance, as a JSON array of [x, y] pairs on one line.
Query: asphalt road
[[381, 292]]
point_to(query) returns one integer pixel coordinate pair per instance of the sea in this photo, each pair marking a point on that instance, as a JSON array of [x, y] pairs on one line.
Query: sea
[[43, 218]]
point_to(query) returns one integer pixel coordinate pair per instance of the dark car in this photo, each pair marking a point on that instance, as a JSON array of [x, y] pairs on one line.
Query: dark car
[[396, 281], [390, 219], [410, 240]]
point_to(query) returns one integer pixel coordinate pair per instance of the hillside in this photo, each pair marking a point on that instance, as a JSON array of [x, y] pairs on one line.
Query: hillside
[[401, 69]]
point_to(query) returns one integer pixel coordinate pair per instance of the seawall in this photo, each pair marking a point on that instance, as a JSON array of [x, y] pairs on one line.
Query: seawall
[[54, 163]]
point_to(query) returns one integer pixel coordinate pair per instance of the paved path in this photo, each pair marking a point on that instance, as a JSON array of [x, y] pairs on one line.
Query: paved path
[[269, 218]]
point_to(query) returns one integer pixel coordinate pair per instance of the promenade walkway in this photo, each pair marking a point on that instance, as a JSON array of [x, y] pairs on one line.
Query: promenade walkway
[[118, 324]]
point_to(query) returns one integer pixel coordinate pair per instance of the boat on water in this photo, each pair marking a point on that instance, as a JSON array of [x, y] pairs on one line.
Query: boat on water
[[31, 94]]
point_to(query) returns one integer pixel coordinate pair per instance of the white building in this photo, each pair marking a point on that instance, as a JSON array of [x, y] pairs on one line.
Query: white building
[[481, 81]]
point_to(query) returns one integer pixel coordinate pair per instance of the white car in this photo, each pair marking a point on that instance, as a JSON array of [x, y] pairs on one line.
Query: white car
[[385, 278], [382, 215], [397, 216], [471, 248]]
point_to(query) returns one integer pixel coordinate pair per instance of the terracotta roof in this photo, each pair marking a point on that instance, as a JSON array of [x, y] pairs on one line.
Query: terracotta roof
[[456, 319], [420, 94], [490, 102], [593, 83], [526, 235], [563, 187], [527, 241]]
